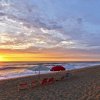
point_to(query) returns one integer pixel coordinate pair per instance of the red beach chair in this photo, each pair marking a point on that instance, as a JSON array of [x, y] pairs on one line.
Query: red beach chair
[[22, 86], [51, 80], [33, 84], [44, 81]]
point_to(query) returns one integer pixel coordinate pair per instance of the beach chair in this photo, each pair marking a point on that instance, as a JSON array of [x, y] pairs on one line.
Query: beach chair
[[51, 80], [44, 81], [33, 84], [62, 78], [22, 86], [68, 75]]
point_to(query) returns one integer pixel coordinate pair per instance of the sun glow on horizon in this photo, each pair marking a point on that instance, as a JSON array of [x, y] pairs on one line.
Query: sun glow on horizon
[[2, 58], [20, 57]]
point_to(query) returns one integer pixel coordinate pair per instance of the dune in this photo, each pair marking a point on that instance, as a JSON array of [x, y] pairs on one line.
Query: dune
[[84, 84]]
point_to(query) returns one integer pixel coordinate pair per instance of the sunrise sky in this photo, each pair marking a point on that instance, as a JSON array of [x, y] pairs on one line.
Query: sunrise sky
[[49, 30]]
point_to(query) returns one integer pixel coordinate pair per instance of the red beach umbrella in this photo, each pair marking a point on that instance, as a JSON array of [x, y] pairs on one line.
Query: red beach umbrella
[[57, 68]]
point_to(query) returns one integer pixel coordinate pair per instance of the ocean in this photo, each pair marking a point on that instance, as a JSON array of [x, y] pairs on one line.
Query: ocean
[[20, 69]]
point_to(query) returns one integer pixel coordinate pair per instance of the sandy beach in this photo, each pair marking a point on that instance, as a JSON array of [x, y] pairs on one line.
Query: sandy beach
[[84, 84]]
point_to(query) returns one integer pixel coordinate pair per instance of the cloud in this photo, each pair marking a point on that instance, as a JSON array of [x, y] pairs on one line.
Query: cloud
[[44, 25]]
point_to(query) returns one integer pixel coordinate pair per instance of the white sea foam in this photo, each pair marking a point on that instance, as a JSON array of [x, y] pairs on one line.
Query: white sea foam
[[24, 73]]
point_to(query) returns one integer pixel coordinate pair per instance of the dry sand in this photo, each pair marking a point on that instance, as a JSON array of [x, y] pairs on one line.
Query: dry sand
[[83, 85]]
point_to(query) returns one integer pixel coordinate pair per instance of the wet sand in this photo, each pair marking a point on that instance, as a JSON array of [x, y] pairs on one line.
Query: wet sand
[[84, 84]]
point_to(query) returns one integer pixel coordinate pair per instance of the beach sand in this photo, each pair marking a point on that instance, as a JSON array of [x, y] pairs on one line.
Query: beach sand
[[84, 84]]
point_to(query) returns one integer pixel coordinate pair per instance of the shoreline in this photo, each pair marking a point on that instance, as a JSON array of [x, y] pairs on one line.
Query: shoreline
[[16, 77]]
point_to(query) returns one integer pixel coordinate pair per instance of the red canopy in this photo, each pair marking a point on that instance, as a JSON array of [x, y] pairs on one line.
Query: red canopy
[[57, 68]]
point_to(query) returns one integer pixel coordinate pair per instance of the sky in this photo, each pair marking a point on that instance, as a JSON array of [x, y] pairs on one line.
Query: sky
[[49, 30]]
